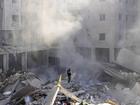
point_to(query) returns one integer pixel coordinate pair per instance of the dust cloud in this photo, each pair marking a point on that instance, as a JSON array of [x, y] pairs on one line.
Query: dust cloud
[[61, 22]]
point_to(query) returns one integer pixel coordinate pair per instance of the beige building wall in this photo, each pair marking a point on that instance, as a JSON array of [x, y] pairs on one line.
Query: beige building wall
[[102, 29], [108, 27], [12, 14]]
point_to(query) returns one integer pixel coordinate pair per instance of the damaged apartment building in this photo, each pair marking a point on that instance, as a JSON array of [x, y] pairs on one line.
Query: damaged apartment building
[[109, 27], [12, 54], [106, 28]]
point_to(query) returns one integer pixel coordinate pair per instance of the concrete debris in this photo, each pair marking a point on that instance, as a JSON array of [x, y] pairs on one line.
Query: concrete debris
[[121, 74], [27, 89], [129, 59]]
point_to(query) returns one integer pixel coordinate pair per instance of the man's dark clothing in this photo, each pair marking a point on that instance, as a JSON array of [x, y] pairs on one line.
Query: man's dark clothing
[[69, 75]]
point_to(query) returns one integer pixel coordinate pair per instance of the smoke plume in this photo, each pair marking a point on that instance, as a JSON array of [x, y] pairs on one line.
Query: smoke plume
[[50, 21], [61, 22]]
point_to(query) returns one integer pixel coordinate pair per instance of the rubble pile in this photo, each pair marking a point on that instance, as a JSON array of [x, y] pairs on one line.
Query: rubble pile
[[15, 88], [27, 89]]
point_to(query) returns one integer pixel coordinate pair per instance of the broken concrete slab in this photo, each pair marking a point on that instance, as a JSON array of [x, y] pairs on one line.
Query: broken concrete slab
[[129, 59]]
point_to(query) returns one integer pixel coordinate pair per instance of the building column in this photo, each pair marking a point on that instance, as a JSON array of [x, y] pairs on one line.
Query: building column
[[93, 54], [24, 61], [112, 55], [6, 62], [47, 59]]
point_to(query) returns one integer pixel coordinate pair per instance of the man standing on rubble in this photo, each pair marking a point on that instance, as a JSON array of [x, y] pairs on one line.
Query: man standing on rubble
[[69, 75]]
